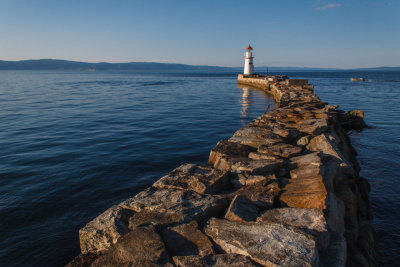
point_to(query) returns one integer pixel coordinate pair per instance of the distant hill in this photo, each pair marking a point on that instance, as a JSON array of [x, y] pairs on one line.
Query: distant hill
[[55, 64], [380, 69]]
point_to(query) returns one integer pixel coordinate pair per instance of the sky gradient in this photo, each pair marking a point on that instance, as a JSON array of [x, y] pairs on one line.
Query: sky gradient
[[309, 33]]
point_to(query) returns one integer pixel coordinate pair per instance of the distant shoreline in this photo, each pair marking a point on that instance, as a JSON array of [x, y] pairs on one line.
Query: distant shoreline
[[55, 64]]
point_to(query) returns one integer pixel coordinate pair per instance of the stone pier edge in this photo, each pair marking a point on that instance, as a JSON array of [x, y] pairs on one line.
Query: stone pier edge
[[283, 191]]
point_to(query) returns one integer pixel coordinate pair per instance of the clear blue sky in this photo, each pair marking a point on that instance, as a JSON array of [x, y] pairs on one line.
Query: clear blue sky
[[312, 33]]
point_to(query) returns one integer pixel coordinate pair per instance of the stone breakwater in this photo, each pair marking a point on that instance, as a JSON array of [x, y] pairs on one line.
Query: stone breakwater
[[282, 191]]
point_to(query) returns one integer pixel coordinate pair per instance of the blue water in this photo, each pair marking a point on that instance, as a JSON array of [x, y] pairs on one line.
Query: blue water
[[74, 143]]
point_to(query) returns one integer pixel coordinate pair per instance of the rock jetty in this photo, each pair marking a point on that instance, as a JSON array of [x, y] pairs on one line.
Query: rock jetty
[[283, 191]]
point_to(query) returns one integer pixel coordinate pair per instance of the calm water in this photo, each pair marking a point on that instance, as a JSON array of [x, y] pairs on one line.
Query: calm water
[[74, 143]]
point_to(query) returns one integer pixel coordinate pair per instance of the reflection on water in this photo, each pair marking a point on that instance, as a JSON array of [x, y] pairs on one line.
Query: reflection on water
[[250, 96], [245, 101]]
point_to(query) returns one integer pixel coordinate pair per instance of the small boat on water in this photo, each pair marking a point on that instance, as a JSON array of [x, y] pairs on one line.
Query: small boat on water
[[362, 79]]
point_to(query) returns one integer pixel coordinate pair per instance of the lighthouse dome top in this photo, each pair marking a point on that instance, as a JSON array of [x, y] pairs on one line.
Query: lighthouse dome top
[[249, 48]]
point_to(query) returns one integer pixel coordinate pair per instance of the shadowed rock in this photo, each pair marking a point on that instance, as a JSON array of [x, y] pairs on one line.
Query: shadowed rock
[[225, 152], [265, 243], [313, 126], [140, 247], [229, 149], [290, 134], [336, 254], [263, 166], [82, 260], [282, 150], [352, 120], [221, 260], [261, 196], [246, 179], [187, 239], [201, 179], [241, 209], [325, 144]]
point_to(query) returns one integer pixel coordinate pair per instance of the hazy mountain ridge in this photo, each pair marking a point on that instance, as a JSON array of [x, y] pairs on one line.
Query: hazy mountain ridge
[[57, 64]]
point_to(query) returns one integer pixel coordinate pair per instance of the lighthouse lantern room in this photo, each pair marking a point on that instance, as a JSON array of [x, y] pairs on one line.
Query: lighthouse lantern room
[[248, 61]]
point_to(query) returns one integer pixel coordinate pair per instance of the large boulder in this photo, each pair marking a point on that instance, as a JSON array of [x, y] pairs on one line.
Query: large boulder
[[201, 179], [255, 136], [326, 144], [186, 239], [140, 247], [313, 126], [307, 192], [269, 244], [310, 220], [165, 207], [104, 230]]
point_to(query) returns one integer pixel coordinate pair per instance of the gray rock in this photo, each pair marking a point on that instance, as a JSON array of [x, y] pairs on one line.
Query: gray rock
[[314, 126], [246, 179], [281, 149], [201, 179], [140, 247], [261, 196], [165, 207], [286, 133], [220, 260], [241, 209], [269, 244], [258, 156], [104, 230], [255, 136], [187, 239], [310, 220], [264, 166], [307, 160]]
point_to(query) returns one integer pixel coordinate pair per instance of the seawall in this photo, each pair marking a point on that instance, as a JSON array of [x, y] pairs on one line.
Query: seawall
[[283, 191]]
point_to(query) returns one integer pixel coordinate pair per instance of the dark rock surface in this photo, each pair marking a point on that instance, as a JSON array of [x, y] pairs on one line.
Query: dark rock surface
[[218, 260]]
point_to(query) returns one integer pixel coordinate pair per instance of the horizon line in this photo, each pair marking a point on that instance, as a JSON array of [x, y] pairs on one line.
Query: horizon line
[[177, 63]]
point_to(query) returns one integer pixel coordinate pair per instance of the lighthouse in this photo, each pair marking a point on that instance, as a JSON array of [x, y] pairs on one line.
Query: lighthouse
[[248, 61]]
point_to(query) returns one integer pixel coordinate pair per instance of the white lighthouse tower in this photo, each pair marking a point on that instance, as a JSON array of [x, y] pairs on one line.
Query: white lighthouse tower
[[248, 61]]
